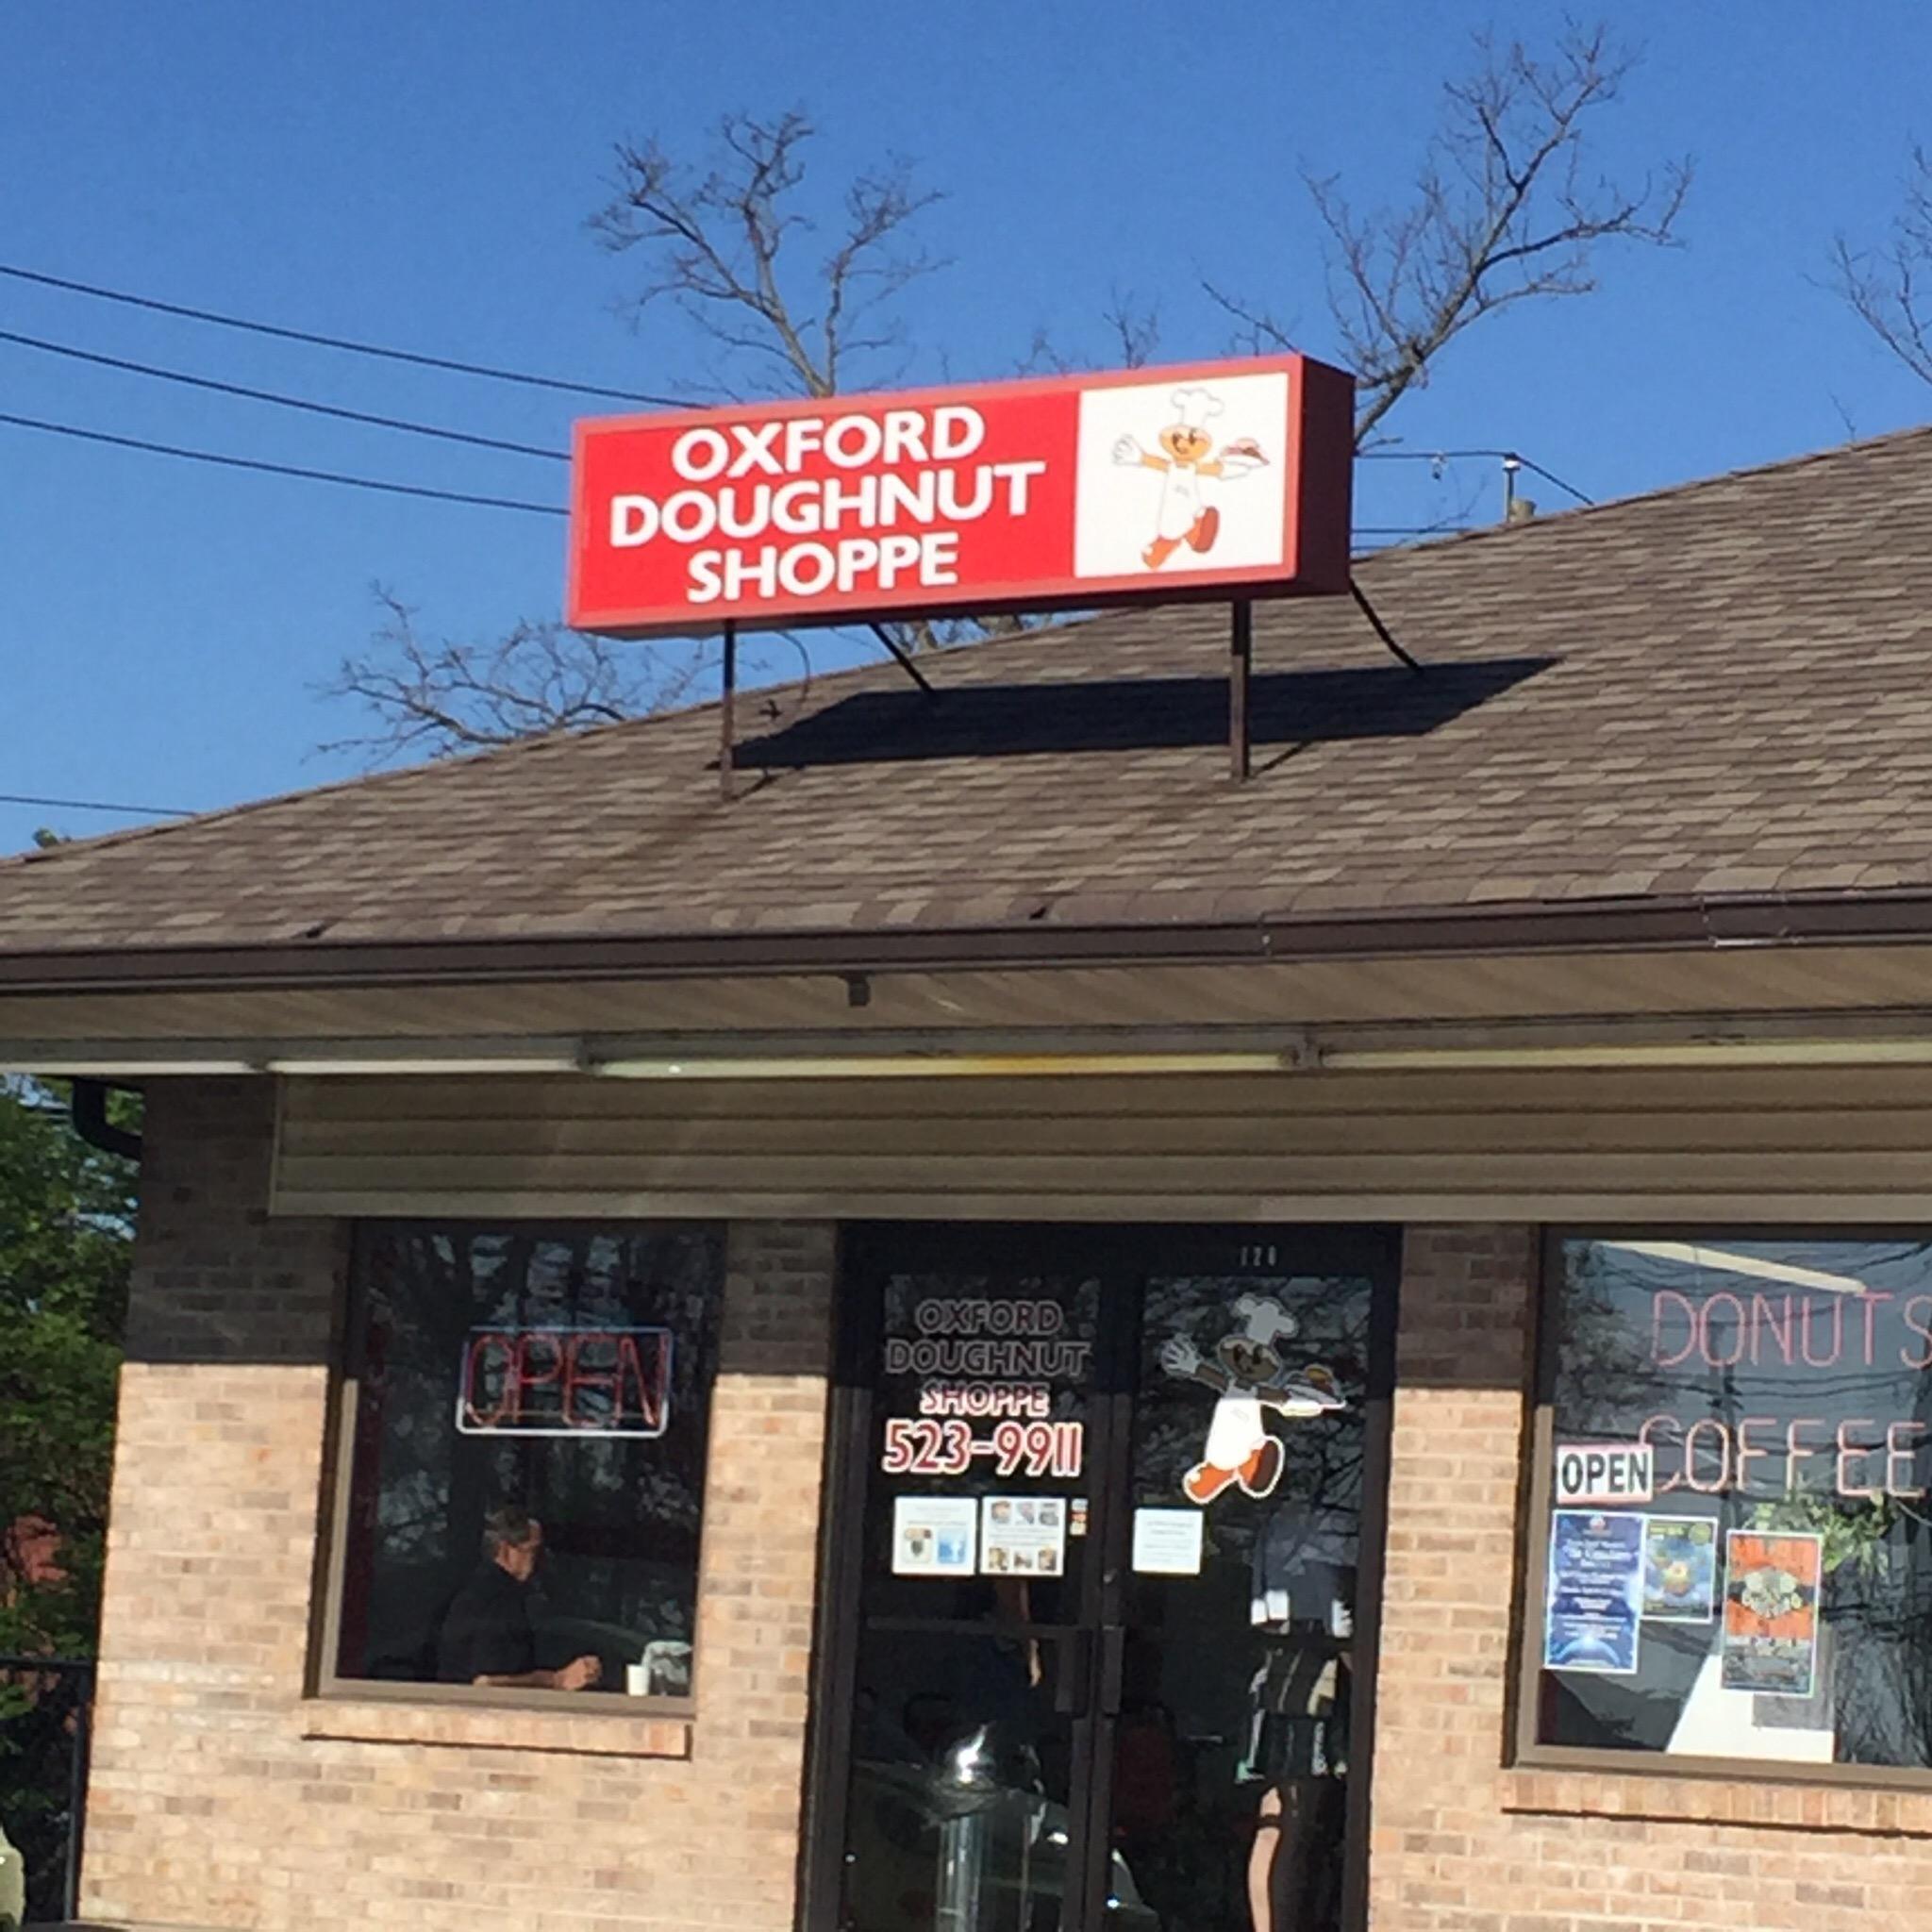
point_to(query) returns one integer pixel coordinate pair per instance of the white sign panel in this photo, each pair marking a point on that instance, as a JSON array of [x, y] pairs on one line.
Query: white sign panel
[[1168, 1542], [935, 1536], [1598, 1474], [1023, 1536]]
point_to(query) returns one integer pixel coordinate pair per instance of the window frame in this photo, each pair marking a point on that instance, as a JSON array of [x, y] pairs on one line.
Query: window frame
[[325, 1681], [1523, 1751]]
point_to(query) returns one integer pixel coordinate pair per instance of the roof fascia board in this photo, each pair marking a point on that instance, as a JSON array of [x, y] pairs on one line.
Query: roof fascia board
[[1696, 923]]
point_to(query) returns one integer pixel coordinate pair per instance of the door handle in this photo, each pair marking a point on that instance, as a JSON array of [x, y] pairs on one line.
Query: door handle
[[1113, 1667], [1074, 1666]]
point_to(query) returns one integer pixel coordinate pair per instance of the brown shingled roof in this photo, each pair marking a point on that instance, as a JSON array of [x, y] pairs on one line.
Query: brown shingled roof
[[1719, 689]]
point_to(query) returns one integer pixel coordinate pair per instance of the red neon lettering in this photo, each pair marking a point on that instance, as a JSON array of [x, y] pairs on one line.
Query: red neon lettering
[[1796, 1452], [1919, 1327], [1675, 1482], [474, 1379], [1724, 1456], [526, 1379], [578, 1374], [1870, 1302], [1656, 1329], [651, 1387], [1704, 1326], [1896, 1451], [1762, 1318], [1837, 1334], [1846, 1450], [1747, 1453]]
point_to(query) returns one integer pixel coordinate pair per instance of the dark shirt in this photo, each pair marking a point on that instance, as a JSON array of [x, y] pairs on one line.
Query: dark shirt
[[487, 1630]]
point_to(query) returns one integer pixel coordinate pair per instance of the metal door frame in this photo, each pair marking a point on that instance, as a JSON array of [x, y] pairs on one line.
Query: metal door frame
[[1116, 1255]]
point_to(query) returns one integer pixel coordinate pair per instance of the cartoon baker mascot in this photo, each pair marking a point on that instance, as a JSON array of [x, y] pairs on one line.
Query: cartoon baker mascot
[[1248, 1376], [1187, 456]]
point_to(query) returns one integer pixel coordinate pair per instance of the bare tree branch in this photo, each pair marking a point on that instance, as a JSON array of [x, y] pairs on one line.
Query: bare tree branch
[[1136, 330], [716, 238], [1505, 209], [1890, 288], [1259, 333], [716, 241], [436, 698], [1133, 328]]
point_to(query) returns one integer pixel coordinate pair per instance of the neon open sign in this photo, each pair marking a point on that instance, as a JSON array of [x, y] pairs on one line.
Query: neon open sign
[[565, 1382]]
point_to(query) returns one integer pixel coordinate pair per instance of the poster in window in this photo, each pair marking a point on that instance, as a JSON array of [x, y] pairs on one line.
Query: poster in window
[[1023, 1536], [1595, 1593], [1679, 1569], [934, 1536], [1770, 1612]]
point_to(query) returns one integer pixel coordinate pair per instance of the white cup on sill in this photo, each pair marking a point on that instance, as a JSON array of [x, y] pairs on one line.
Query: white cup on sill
[[637, 1680]]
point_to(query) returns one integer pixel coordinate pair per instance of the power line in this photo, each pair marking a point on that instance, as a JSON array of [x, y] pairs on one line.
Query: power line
[[546, 510], [284, 402], [1549, 476], [1444, 456], [1423, 455], [227, 462], [150, 812], [343, 342]]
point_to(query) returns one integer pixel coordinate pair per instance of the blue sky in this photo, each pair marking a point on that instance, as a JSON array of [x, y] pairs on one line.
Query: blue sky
[[421, 175]]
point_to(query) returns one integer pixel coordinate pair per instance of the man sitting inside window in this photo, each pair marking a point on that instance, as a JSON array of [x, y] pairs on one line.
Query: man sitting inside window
[[486, 1637]]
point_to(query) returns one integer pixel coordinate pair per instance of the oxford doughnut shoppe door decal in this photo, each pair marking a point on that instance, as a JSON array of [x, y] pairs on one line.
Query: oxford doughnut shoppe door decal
[[1228, 479]]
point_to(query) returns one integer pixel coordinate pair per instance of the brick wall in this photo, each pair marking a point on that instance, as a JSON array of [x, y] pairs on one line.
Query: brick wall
[[1459, 1843], [222, 1797]]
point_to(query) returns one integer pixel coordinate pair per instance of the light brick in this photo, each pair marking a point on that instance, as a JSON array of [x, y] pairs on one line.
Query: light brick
[[216, 1798]]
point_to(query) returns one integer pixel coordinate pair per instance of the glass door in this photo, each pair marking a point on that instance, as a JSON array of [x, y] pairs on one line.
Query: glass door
[[1238, 1707], [1095, 1656], [984, 1357]]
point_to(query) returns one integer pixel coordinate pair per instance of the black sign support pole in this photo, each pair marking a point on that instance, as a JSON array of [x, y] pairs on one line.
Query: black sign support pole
[[724, 703], [1240, 656], [1381, 629], [902, 657]]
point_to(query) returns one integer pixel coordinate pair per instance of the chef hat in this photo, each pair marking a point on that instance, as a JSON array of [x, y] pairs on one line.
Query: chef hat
[[1264, 1318], [1195, 405]]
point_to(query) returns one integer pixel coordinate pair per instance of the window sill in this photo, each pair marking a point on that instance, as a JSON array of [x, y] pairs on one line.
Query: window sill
[[583, 1734], [1752, 1799]]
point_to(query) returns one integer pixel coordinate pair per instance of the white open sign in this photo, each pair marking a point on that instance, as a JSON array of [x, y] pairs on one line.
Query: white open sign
[[1604, 1472]]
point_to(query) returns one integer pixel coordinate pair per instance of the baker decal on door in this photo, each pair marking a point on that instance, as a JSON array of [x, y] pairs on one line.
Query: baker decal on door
[[1248, 1377], [1185, 459]]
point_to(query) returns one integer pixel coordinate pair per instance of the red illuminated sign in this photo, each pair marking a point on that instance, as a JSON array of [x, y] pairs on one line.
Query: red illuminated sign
[[1147, 485], [565, 1382]]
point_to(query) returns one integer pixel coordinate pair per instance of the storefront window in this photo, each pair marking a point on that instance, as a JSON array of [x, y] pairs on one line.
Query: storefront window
[[1738, 1553], [526, 1457]]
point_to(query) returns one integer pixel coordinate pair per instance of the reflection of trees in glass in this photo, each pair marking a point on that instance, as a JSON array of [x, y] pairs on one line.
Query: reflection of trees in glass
[[1606, 1379], [621, 1514], [1876, 1587], [1323, 1455]]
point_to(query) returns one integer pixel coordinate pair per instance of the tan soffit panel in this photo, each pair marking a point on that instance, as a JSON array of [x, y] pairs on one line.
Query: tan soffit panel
[[1832, 1145]]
